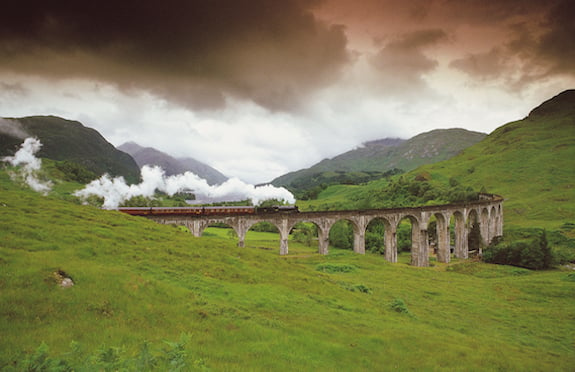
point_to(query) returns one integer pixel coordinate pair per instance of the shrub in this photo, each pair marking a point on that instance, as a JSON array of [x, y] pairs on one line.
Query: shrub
[[335, 268], [532, 254], [399, 306]]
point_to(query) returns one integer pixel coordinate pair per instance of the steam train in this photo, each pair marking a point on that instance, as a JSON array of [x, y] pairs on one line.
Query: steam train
[[208, 211]]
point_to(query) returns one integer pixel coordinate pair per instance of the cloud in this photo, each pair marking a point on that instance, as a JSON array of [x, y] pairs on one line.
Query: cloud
[[538, 47], [401, 63], [556, 46], [193, 52], [483, 66], [12, 128], [115, 191], [29, 165]]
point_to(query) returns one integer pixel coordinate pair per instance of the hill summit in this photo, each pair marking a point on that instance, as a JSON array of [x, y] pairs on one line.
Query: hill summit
[[531, 162], [68, 140], [171, 165]]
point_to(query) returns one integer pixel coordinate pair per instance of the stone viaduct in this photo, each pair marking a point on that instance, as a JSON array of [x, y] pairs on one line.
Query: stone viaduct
[[488, 211]]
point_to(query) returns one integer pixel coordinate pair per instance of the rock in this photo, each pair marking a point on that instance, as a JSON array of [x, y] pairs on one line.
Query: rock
[[66, 283]]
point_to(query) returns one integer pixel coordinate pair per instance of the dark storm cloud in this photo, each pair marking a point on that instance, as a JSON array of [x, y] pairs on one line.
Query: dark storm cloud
[[189, 51], [402, 62], [539, 46]]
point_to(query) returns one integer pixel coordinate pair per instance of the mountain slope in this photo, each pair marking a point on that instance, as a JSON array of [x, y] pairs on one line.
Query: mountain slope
[[385, 155], [530, 162], [171, 165], [68, 140]]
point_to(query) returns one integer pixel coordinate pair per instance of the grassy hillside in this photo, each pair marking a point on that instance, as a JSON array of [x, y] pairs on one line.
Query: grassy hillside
[[71, 141], [531, 162], [139, 284], [375, 158]]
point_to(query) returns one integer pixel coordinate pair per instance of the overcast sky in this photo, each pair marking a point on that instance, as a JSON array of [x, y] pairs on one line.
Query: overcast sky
[[257, 88]]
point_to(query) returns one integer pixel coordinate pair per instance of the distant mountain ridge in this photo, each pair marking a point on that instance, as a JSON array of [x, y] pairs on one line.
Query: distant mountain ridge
[[171, 165], [68, 140], [385, 155]]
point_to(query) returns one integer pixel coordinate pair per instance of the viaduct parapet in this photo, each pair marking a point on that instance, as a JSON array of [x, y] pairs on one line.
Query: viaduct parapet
[[488, 211]]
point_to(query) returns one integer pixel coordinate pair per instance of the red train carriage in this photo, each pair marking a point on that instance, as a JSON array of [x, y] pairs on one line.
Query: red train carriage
[[203, 211]]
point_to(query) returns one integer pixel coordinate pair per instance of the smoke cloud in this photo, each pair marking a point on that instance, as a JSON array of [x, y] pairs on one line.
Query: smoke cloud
[[115, 190], [30, 165]]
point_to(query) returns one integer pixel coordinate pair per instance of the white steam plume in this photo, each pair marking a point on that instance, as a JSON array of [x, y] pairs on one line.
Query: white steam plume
[[30, 165], [115, 190]]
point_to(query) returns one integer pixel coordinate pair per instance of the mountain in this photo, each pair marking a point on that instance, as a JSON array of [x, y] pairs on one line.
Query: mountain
[[530, 162], [375, 158], [171, 165], [68, 140]]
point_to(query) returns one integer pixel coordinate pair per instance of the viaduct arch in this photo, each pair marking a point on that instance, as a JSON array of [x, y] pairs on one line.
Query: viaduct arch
[[488, 211]]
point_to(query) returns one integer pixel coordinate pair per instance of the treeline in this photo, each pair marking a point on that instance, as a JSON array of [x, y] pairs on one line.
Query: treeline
[[308, 188], [402, 192]]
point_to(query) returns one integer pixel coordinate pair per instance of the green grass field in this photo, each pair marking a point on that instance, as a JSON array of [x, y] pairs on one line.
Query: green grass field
[[248, 309]]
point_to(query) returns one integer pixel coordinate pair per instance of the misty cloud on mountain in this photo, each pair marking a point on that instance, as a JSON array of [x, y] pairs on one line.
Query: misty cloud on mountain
[[12, 128]]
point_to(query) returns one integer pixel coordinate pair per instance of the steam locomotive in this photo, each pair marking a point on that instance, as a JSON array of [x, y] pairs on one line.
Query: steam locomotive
[[208, 211]]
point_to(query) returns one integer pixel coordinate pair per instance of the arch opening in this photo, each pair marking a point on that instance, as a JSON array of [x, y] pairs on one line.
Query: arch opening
[[341, 235], [438, 238], [303, 237], [474, 239], [410, 238], [262, 235], [345, 234], [458, 235], [218, 229]]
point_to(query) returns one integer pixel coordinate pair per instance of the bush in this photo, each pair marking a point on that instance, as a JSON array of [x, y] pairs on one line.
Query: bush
[[335, 268], [532, 254], [399, 306]]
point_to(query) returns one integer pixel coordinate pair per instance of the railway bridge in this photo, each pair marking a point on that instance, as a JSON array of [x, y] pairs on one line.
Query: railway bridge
[[487, 211]]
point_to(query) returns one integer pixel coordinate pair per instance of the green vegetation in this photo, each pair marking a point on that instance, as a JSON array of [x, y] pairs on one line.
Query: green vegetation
[[529, 162], [66, 140], [395, 192], [153, 297], [378, 159], [149, 296], [531, 248]]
